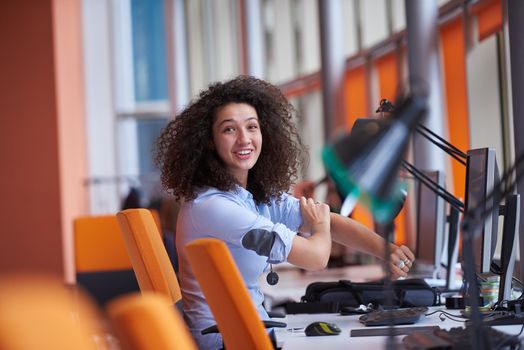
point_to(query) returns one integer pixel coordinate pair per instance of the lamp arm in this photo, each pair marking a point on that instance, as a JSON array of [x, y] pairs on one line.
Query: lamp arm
[[447, 147], [435, 187], [387, 106]]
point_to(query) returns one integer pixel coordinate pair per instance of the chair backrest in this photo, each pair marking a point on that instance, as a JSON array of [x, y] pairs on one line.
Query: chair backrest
[[227, 295], [99, 246], [41, 313], [102, 264], [149, 258], [149, 322]]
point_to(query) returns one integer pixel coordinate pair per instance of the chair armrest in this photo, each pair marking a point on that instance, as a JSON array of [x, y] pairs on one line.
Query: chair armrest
[[267, 324], [276, 314], [274, 324]]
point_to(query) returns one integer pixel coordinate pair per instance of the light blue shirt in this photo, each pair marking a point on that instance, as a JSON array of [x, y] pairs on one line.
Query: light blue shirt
[[228, 216]]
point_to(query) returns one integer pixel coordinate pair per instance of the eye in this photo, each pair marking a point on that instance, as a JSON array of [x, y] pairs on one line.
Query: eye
[[228, 129], [253, 127]]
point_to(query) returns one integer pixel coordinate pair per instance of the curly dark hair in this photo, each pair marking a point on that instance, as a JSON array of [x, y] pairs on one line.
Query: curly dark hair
[[188, 164]]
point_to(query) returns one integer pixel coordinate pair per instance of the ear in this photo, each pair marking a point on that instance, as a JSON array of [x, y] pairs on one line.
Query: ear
[[211, 145]]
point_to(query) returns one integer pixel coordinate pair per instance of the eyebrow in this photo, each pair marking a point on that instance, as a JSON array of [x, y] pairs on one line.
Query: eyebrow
[[231, 120]]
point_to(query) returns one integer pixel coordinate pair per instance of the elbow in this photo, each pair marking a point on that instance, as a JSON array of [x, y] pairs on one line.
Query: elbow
[[318, 263]]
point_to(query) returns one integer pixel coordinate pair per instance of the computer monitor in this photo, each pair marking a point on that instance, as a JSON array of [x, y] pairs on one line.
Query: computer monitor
[[430, 223], [481, 176]]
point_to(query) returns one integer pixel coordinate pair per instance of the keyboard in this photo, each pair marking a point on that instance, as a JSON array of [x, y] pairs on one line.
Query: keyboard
[[374, 332], [457, 338], [505, 318], [497, 318], [393, 316]]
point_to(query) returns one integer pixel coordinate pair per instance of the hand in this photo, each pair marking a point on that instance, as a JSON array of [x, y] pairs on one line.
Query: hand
[[400, 261], [315, 216]]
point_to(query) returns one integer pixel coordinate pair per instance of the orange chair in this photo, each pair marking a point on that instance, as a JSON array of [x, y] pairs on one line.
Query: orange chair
[[39, 312], [149, 322], [227, 296], [149, 258], [102, 264]]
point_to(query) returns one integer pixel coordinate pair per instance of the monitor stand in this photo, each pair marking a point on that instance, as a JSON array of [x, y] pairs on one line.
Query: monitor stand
[[451, 248], [511, 213]]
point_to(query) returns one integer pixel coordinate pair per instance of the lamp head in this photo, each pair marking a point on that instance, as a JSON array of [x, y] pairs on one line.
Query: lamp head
[[365, 162]]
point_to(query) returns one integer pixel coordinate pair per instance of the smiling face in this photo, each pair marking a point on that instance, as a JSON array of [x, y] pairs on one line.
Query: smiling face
[[237, 139]]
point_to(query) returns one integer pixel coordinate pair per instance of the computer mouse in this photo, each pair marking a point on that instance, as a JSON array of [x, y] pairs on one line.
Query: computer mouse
[[322, 328]]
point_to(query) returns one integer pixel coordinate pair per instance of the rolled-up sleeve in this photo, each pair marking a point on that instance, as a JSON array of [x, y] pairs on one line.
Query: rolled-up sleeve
[[282, 245]]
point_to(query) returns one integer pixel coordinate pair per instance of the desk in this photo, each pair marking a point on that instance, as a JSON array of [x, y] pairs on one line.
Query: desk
[[297, 340], [292, 286]]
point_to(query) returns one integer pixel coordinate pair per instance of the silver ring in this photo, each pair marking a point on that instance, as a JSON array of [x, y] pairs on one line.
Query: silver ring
[[401, 264], [406, 261]]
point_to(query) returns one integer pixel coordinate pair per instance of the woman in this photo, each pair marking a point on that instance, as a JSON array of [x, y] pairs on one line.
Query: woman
[[231, 155]]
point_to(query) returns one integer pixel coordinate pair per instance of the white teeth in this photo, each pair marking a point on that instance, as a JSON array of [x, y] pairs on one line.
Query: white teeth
[[244, 152]]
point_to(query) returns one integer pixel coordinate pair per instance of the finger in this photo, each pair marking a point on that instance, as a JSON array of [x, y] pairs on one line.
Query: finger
[[409, 254], [400, 261], [303, 201], [401, 253], [325, 208], [395, 270], [396, 262]]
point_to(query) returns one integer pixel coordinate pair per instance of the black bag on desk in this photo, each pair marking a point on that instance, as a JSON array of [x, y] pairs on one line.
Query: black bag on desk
[[331, 296]]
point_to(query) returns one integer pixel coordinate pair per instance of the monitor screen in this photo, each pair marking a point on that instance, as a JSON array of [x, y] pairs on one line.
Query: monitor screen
[[481, 176], [431, 221]]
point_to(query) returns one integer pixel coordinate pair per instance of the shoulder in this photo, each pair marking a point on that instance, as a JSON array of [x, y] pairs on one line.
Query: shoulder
[[213, 196], [212, 202], [284, 200]]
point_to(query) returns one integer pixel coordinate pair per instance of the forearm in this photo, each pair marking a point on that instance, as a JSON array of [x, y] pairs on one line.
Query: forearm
[[311, 253], [355, 235]]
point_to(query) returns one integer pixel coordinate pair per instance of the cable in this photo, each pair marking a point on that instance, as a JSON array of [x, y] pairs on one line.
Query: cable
[[448, 315]]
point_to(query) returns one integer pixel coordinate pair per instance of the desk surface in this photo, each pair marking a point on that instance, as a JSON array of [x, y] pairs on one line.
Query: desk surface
[[291, 287], [295, 340]]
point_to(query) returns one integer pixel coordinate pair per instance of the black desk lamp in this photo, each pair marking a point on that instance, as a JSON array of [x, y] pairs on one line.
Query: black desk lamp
[[367, 163], [456, 206]]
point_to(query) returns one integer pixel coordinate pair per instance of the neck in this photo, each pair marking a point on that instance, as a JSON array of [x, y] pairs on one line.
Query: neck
[[242, 179]]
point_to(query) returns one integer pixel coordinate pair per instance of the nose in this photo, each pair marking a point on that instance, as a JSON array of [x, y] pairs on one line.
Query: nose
[[243, 137]]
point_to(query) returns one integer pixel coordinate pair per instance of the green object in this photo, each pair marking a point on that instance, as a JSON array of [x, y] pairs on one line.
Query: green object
[[382, 209]]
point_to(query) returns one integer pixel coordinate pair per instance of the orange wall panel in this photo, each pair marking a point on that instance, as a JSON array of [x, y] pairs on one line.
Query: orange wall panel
[[454, 64], [386, 67], [355, 95], [489, 18], [41, 135]]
